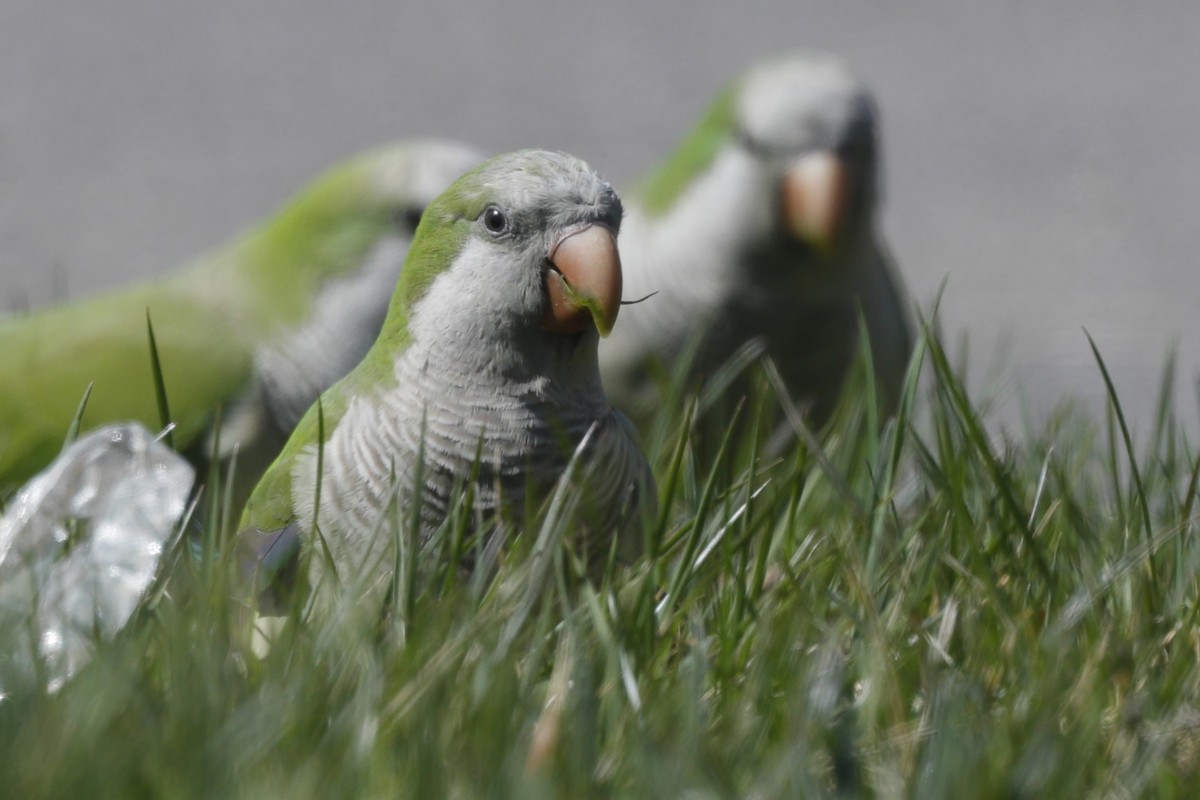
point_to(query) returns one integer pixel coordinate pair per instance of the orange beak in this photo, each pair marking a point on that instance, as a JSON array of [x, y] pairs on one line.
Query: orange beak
[[583, 283], [816, 193]]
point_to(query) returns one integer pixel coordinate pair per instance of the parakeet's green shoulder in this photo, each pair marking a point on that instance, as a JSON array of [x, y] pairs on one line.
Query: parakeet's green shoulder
[[323, 233], [271, 505], [48, 359], [693, 155]]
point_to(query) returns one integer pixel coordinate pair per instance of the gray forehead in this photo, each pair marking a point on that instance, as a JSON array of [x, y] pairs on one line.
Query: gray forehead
[[803, 101], [532, 177], [419, 171]]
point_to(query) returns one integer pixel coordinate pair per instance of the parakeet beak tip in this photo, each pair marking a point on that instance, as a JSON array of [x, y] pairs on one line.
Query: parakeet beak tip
[[814, 199], [583, 283]]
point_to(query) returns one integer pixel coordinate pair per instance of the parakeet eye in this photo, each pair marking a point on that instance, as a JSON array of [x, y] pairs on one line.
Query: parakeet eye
[[407, 219], [494, 220]]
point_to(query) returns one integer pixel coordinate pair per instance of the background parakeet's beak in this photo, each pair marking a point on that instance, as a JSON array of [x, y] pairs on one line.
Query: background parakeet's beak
[[815, 197], [583, 282]]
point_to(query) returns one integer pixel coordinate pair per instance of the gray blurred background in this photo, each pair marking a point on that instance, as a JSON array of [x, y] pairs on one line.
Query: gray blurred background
[[1040, 158]]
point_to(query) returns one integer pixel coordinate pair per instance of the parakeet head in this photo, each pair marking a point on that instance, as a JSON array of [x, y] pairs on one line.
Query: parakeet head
[[809, 125], [522, 247], [812, 117]]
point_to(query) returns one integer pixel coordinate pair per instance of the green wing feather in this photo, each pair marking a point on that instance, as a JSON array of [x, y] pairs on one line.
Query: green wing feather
[[270, 507]]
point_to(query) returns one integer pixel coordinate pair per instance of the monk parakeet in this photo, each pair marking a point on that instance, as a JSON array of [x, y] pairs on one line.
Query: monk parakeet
[[761, 228], [484, 377], [257, 329]]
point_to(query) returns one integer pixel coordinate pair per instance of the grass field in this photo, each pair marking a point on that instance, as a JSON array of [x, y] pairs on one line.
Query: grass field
[[911, 608]]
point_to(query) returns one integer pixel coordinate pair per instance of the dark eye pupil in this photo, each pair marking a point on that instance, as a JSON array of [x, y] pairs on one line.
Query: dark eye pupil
[[494, 220], [408, 218]]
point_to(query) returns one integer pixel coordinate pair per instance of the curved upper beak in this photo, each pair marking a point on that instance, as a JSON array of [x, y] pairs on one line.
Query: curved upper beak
[[583, 284], [816, 195]]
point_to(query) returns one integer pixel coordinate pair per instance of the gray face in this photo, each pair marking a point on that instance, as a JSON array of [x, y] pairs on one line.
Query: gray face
[[803, 103], [509, 214]]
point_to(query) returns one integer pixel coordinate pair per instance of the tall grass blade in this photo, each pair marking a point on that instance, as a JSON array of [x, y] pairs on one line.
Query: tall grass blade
[[77, 419], [160, 386], [1115, 404]]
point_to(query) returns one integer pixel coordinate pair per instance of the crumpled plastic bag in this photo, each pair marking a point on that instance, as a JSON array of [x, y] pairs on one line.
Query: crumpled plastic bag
[[79, 546]]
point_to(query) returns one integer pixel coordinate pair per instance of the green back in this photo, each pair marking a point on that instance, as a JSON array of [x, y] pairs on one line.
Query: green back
[[322, 234], [48, 359], [208, 320]]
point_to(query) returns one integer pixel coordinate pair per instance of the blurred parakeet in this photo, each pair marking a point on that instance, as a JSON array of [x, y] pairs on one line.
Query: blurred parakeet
[[484, 378], [761, 230], [257, 329]]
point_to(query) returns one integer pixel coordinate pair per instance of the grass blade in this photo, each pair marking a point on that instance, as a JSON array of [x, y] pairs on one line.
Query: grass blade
[[160, 386], [1147, 526], [77, 420]]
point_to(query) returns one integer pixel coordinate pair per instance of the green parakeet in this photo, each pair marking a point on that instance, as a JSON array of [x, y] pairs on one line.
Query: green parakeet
[[258, 328], [485, 374], [761, 228]]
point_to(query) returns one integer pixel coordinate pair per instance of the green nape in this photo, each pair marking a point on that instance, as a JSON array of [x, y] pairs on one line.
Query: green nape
[[439, 238], [693, 155], [324, 233]]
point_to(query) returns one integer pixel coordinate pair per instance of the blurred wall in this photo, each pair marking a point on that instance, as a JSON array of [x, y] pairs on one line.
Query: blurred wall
[[1041, 159]]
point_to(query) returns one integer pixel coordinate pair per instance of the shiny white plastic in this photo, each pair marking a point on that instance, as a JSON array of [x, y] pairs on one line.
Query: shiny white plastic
[[81, 543]]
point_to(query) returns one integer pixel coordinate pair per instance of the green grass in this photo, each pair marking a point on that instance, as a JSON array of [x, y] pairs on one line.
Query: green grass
[[910, 608]]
